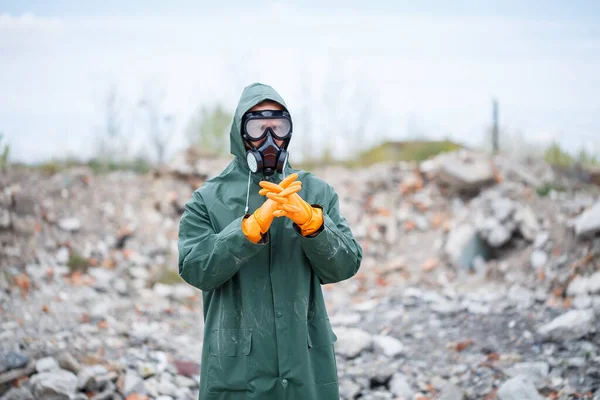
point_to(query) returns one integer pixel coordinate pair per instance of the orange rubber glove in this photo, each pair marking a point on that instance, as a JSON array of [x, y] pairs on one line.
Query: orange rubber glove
[[291, 205], [256, 225]]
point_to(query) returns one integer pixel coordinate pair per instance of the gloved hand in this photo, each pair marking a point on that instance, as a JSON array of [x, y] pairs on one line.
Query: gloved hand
[[260, 221], [291, 205]]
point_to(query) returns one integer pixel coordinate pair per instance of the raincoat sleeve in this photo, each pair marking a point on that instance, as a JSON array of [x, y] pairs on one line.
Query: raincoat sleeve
[[332, 251], [207, 258]]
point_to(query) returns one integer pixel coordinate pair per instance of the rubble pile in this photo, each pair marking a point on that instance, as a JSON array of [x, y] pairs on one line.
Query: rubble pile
[[480, 279]]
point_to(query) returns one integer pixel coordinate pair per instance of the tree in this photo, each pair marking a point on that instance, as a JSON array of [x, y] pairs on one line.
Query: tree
[[160, 124], [209, 128]]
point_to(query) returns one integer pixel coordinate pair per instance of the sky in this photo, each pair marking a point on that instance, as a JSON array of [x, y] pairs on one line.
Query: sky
[[391, 70]]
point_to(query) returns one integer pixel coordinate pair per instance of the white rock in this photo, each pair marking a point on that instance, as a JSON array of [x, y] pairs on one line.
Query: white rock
[[345, 319], [588, 222], [502, 208], [349, 389], [162, 290], [539, 258], [184, 381], [55, 384], [62, 256], [536, 371], [86, 377], [388, 345], [46, 364], [528, 223], [582, 302], [519, 388], [351, 341], [182, 291], [451, 392], [578, 286], [521, 297], [400, 387], [167, 388], [541, 239], [574, 324], [69, 224], [594, 283], [133, 383], [498, 236]]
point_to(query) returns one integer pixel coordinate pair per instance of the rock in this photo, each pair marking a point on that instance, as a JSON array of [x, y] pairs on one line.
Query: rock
[[4, 219], [588, 222], [593, 283], [184, 381], [349, 389], [46, 364], [574, 324], [537, 372], [162, 290], [146, 369], [518, 388], [498, 236], [69, 224], [541, 239], [12, 360], [451, 392], [164, 398], [400, 387], [465, 170], [132, 383], [18, 394], [389, 346], [578, 286], [68, 362], [102, 278], [351, 341], [528, 223], [522, 298], [108, 393], [345, 319], [582, 302], [464, 245], [55, 385], [446, 307], [502, 208], [182, 291], [62, 256], [167, 388], [538, 259], [87, 377]]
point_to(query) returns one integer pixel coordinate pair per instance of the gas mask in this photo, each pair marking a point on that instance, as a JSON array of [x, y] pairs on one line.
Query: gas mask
[[267, 158]]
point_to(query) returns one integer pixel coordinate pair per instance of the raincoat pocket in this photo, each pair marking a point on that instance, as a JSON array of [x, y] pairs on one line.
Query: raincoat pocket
[[228, 361], [321, 353]]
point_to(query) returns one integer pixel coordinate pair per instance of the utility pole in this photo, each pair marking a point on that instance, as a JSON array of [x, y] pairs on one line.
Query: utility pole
[[495, 146]]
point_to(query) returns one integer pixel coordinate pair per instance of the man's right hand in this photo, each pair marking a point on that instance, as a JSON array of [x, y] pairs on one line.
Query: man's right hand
[[256, 225]]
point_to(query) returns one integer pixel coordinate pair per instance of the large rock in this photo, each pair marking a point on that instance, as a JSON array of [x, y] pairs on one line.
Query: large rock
[[451, 392], [351, 341], [400, 387], [518, 388], [54, 385], [572, 325], [588, 222], [389, 346], [46, 364], [464, 245], [88, 377], [69, 224], [12, 360], [536, 371], [464, 170], [18, 394], [349, 389]]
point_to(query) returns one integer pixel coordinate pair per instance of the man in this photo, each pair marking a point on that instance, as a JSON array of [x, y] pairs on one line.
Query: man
[[267, 334]]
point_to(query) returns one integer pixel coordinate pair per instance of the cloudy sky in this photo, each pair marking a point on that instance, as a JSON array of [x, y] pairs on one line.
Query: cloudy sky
[[427, 68]]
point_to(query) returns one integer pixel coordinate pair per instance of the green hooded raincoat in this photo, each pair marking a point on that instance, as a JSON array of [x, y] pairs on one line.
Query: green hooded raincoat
[[267, 334]]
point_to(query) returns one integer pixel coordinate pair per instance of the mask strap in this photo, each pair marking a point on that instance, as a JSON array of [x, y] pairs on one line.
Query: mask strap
[[247, 193]]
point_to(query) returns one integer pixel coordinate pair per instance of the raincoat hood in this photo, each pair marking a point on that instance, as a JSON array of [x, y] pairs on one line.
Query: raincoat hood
[[251, 96]]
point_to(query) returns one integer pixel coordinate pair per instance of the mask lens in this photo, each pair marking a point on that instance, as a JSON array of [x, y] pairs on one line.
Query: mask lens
[[255, 128]]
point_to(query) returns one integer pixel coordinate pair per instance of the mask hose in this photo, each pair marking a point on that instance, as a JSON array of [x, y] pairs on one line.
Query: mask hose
[[247, 193]]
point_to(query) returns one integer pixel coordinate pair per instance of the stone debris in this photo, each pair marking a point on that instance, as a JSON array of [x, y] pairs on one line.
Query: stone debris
[[472, 284]]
